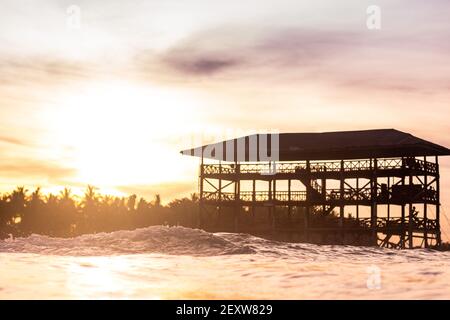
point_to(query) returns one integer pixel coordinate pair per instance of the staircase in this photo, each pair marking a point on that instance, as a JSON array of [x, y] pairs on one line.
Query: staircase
[[313, 188]]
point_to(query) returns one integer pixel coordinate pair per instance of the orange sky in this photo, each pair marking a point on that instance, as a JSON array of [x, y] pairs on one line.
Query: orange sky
[[111, 100]]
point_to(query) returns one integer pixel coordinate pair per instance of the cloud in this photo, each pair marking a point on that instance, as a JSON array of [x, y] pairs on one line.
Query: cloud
[[38, 70], [214, 53], [201, 65], [394, 61], [14, 141], [29, 72], [32, 169]]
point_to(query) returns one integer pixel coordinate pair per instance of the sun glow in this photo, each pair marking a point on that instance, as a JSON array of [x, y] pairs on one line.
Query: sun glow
[[121, 134]]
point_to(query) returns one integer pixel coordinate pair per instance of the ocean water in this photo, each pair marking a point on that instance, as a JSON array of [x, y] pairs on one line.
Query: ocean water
[[180, 263]]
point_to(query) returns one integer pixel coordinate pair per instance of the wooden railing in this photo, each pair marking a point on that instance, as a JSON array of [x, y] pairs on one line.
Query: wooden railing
[[321, 166], [331, 195], [417, 223]]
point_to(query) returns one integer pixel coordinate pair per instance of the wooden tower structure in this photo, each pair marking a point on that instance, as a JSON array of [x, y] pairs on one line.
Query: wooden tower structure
[[376, 187]]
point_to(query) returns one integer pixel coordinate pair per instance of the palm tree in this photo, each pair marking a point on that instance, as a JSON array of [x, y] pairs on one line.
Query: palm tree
[[131, 202], [68, 212], [157, 201], [90, 205], [66, 195], [30, 219], [194, 197], [17, 203], [90, 196], [17, 198]]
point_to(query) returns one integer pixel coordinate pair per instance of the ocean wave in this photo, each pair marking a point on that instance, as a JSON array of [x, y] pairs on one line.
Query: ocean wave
[[195, 242], [155, 239]]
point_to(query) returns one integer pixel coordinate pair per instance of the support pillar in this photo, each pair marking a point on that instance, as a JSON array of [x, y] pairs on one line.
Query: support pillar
[[374, 207], [324, 192], [410, 216], [219, 209], [341, 201], [200, 201], [253, 200], [289, 201], [269, 217], [237, 205], [438, 205], [425, 204], [388, 198], [357, 205], [274, 199], [402, 236], [308, 200]]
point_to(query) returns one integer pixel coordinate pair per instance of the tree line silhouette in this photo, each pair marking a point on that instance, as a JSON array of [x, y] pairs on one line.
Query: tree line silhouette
[[64, 215], [23, 213]]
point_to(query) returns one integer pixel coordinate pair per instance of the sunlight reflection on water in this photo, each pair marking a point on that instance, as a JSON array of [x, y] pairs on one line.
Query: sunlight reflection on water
[[151, 276], [209, 271]]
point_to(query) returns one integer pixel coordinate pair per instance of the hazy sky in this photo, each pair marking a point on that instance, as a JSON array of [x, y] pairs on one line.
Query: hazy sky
[[112, 99]]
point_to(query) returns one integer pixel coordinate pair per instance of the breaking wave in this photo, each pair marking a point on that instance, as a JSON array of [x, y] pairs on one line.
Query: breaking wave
[[155, 239], [181, 263], [195, 242]]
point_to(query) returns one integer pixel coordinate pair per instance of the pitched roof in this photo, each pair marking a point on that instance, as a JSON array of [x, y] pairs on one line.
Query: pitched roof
[[364, 144]]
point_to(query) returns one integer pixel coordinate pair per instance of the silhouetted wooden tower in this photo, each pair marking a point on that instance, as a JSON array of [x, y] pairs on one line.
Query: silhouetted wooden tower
[[300, 179]]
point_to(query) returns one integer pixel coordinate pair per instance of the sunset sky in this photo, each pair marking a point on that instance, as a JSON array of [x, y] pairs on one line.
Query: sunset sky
[[112, 101]]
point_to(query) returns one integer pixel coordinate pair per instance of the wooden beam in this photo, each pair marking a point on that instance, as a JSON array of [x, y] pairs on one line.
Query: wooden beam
[[374, 206], [402, 236], [425, 205], [308, 200], [237, 191], [410, 216], [357, 205], [389, 198], [438, 205], [253, 199], [200, 201], [341, 201], [220, 194], [289, 201]]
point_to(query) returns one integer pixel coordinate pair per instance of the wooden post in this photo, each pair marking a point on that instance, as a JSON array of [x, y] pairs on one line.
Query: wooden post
[[357, 204], [270, 202], [308, 199], [438, 204], [388, 198], [253, 200], [220, 194], [341, 201], [270, 187], [274, 201], [425, 205], [200, 201], [410, 216], [324, 192], [402, 236], [374, 207], [237, 196], [289, 201]]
